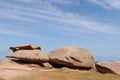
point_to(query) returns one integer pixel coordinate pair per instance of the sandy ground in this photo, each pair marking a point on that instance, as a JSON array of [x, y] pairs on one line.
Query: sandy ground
[[8, 74], [11, 69]]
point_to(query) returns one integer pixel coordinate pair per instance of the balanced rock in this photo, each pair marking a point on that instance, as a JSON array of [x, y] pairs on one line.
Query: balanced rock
[[36, 56], [72, 57], [108, 67], [24, 47]]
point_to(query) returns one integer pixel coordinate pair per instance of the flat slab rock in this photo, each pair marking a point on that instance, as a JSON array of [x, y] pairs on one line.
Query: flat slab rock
[[108, 67], [35, 56], [24, 47]]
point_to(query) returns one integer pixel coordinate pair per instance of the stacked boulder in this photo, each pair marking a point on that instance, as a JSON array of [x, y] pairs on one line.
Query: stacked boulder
[[71, 57], [29, 53]]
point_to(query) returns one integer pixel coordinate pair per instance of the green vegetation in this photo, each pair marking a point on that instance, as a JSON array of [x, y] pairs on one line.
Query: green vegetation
[[68, 74]]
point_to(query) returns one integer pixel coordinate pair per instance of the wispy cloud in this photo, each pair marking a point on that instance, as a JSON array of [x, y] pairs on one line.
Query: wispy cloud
[[28, 0], [22, 31], [14, 32], [36, 10], [64, 2], [107, 3], [53, 1], [17, 17]]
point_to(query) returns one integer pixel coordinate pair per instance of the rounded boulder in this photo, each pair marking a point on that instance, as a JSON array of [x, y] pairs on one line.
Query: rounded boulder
[[72, 57]]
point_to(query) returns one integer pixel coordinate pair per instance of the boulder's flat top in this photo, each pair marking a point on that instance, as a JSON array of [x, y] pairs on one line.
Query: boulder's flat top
[[57, 74]]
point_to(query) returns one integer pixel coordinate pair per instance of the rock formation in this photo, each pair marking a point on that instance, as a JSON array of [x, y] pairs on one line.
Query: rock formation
[[108, 67], [35, 56], [73, 57], [24, 47], [29, 54]]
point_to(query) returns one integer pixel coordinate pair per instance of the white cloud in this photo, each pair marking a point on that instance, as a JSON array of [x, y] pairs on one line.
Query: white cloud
[[61, 1], [64, 1], [70, 21], [22, 31], [53, 1], [114, 3], [107, 3], [13, 32], [28, 0], [17, 17]]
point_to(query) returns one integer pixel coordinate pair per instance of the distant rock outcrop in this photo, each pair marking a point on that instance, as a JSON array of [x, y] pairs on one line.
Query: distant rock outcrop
[[73, 57], [108, 67]]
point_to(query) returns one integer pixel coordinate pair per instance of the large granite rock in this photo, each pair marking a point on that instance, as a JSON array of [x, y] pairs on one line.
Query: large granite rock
[[24, 47], [108, 67], [73, 57], [36, 56]]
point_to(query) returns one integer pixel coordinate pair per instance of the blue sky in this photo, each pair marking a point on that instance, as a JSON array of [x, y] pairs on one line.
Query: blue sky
[[90, 24]]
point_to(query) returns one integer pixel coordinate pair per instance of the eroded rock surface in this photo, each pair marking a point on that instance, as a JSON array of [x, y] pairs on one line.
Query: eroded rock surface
[[36, 56], [108, 67], [24, 47], [73, 57]]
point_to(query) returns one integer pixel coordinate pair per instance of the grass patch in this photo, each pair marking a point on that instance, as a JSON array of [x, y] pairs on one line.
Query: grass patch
[[68, 74]]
